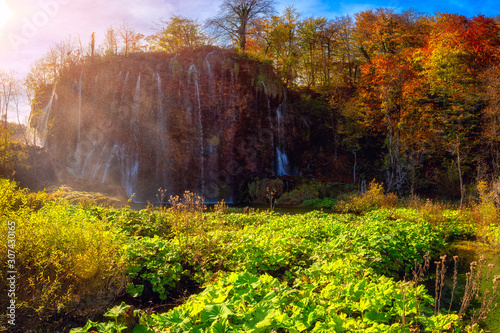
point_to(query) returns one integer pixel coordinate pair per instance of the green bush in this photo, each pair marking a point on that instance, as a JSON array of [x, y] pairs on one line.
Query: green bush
[[67, 260], [154, 260], [261, 190], [320, 203], [372, 199], [300, 194]]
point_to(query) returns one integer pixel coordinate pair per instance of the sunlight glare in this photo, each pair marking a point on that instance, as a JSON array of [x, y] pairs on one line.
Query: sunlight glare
[[5, 13]]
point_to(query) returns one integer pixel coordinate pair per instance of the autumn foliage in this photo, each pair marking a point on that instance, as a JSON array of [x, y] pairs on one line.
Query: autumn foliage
[[411, 99]]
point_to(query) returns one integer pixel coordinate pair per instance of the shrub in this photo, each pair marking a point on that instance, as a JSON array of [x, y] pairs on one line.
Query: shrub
[[67, 260], [320, 203], [486, 212], [372, 199], [259, 190], [300, 194]]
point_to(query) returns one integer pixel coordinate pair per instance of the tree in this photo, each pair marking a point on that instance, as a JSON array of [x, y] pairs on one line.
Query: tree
[[130, 39], [388, 41], [9, 91], [236, 18], [110, 43], [177, 33], [490, 132], [283, 45]]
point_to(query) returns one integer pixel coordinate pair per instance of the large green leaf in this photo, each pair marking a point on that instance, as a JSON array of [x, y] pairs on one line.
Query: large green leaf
[[116, 311], [142, 329], [214, 312]]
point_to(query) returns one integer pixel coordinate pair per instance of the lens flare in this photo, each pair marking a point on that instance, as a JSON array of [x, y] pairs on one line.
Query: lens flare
[[5, 13]]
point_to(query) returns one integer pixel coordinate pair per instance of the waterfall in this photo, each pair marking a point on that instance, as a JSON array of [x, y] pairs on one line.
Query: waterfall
[[161, 173], [80, 106], [45, 119], [203, 125], [78, 170], [114, 152], [281, 157], [161, 116], [124, 86], [192, 70], [129, 167], [268, 104], [137, 97], [281, 162], [210, 74]]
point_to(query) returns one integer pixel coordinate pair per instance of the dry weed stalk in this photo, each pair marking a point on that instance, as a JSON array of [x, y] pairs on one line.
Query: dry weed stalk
[[487, 303], [271, 196], [187, 214], [221, 207], [455, 276], [440, 275], [472, 285], [418, 274]]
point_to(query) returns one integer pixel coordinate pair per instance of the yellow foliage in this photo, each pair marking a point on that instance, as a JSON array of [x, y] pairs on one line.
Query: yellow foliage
[[373, 198]]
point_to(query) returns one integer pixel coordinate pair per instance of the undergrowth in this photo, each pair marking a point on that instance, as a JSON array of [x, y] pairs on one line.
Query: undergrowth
[[259, 271]]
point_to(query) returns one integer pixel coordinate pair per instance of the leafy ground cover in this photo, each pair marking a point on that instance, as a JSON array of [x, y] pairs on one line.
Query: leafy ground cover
[[248, 271]]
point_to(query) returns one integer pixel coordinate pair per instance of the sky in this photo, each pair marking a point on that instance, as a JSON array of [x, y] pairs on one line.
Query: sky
[[29, 27]]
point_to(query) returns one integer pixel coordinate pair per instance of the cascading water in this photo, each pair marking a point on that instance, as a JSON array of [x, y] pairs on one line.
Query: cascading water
[[175, 127], [42, 127], [282, 164], [194, 74], [130, 166], [80, 106], [114, 152], [137, 97], [80, 156], [124, 88], [209, 69]]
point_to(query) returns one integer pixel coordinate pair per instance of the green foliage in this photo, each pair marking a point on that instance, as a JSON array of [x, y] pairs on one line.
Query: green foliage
[[67, 260], [156, 261], [374, 198], [275, 244], [6, 152], [89, 199], [302, 193], [487, 211], [259, 190], [339, 296], [119, 314], [320, 203], [314, 194], [261, 270], [13, 199]]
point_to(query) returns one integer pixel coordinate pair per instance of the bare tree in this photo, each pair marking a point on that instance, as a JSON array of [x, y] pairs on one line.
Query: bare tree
[[236, 18], [130, 39], [8, 95], [61, 55]]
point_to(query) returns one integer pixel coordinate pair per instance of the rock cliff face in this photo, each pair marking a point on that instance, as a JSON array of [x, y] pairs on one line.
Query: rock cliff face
[[203, 121]]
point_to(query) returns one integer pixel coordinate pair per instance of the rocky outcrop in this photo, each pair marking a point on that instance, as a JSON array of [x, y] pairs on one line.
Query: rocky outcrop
[[203, 121]]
